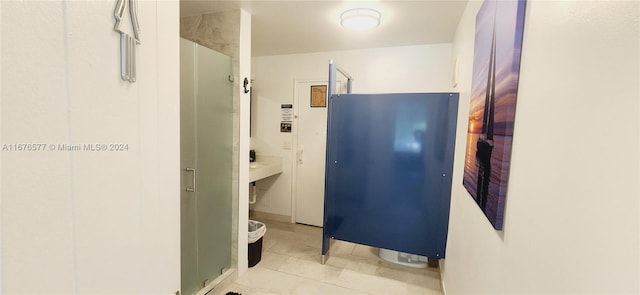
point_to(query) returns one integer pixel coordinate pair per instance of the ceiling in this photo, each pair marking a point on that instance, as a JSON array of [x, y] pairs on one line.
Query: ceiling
[[287, 27]]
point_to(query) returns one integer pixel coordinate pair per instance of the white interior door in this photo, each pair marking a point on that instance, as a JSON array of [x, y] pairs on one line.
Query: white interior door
[[310, 156]]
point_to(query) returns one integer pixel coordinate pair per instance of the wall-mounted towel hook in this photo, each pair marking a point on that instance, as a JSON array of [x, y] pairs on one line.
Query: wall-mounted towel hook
[[245, 84]]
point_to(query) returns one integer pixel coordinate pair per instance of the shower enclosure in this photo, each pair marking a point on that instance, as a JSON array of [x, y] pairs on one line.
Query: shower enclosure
[[206, 156]]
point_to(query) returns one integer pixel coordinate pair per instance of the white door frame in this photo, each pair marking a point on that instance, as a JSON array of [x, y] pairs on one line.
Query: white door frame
[[294, 145]]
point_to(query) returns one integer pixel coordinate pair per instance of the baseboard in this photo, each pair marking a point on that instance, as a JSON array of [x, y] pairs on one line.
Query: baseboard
[[441, 268], [270, 216]]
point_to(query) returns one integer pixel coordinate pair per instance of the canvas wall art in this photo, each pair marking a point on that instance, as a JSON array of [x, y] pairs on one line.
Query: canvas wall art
[[496, 66]]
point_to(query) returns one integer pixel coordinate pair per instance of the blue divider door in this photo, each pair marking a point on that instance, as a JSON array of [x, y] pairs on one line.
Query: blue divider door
[[389, 165]]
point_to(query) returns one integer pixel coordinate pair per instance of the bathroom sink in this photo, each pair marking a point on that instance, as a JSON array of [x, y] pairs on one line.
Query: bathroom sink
[[264, 167]]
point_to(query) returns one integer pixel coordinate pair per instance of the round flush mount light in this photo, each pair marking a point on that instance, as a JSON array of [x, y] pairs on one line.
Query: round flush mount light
[[360, 19]]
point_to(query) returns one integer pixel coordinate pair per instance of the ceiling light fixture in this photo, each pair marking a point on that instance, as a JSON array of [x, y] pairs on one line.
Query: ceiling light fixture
[[360, 19]]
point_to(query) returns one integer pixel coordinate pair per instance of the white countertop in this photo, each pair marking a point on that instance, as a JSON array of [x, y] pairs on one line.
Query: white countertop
[[263, 167]]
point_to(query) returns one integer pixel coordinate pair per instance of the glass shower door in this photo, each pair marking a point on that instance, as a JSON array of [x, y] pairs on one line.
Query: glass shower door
[[206, 159], [214, 158]]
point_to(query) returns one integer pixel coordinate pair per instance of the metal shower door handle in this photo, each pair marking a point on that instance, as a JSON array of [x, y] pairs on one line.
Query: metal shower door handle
[[192, 189]]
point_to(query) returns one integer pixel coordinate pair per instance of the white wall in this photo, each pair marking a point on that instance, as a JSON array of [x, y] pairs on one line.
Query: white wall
[[1, 276], [423, 68], [571, 219], [89, 222], [243, 165]]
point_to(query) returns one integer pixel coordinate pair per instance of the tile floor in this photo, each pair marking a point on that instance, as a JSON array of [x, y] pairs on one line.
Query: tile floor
[[290, 264]]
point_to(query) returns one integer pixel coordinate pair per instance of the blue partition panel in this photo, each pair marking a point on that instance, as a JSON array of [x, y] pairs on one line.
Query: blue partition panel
[[389, 166]]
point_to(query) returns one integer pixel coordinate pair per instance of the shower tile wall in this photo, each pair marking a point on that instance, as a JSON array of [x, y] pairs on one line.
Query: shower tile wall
[[220, 31]]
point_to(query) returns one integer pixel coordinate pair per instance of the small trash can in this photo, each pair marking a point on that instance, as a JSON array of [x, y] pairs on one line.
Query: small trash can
[[256, 233]]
